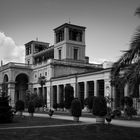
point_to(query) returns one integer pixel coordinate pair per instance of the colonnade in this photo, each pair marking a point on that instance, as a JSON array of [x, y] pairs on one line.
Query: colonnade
[[82, 90]]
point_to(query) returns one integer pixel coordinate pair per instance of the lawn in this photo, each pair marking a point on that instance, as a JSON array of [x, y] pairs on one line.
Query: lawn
[[65, 132], [34, 121]]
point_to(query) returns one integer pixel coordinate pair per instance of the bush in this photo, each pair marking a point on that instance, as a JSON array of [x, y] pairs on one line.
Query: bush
[[130, 111], [38, 101], [99, 106], [31, 108], [89, 102], [128, 101], [76, 108], [116, 113], [20, 105], [69, 96]]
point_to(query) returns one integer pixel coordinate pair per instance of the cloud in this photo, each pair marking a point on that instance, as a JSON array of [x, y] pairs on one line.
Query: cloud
[[10, 51]]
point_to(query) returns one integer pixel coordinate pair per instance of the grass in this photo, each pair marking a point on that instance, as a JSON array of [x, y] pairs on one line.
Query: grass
[[33, 121], [74, 132]]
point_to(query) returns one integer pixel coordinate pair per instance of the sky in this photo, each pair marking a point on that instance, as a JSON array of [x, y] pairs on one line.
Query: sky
[[110, 25]]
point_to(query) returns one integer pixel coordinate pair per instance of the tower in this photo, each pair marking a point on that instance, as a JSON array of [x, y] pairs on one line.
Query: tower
[[32, 50], [69, 43]]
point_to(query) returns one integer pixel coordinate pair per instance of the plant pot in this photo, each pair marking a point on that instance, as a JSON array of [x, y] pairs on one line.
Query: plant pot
[[76, 119], [20, 113], [31, 114], [100, 120]]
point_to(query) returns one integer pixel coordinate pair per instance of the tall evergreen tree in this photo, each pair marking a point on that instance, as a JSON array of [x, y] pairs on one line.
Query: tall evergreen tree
[[6, 114]]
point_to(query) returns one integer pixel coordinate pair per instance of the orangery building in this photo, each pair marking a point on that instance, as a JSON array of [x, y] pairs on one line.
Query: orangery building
[[63, 63]]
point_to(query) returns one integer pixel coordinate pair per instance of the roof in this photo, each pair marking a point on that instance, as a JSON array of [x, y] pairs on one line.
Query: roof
[[37, 42], [69, 25]]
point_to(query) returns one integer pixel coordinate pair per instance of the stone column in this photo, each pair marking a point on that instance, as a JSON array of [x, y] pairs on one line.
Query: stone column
[[113, 96], [66, 34], [76, 87], [48, 97], [95, 88], [58, 94], [126, 90], [85, 92], [83, 37], [11, 93]]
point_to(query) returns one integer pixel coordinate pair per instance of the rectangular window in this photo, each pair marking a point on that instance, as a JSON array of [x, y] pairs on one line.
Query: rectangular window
[[28, 61], [59, 54], [59, 35], [75, 35], [45, 73], [75, 54]]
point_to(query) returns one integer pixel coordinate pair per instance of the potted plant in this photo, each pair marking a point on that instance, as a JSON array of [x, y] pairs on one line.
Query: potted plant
[[76, 109], [50, 113], [99, 109], [31, 108], [20, 107]]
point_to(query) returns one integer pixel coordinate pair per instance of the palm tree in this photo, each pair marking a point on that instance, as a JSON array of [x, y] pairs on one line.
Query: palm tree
[[127, 68]]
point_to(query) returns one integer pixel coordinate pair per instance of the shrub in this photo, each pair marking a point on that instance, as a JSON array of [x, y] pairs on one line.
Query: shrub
[[130, 111], [89, 102], [69, 95], [76, 108], [20, 105], [38, 101], [127, 101], [116, 113], [99, 106], [31, 108]]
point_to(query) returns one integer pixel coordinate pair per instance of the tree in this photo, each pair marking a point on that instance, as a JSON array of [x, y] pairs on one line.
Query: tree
[[42, 81], [76, 108], [6, 113], [129, 63], [69, 96], [31, 108]]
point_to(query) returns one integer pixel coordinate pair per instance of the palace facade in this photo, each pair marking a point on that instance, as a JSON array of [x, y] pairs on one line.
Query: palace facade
[[63, 63]]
